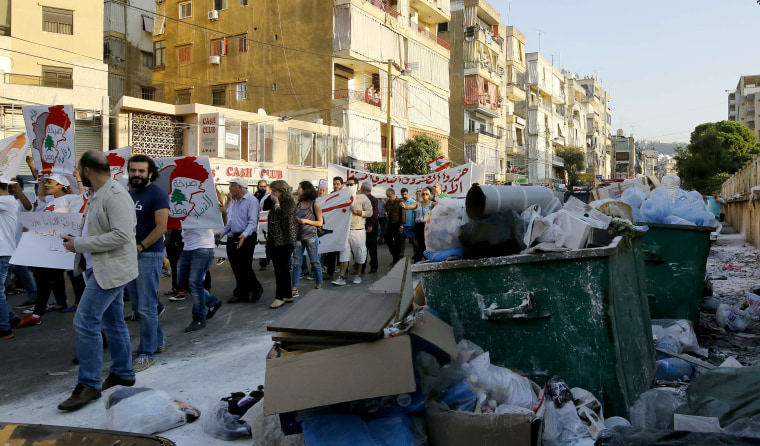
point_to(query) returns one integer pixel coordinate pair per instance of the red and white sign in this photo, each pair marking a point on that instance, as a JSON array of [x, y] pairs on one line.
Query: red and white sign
[[117, 159], [212, 135], [455, 182], [439, 164], [223, 173]]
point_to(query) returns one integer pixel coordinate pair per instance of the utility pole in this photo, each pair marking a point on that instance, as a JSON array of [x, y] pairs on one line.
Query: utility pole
[[389, 129]]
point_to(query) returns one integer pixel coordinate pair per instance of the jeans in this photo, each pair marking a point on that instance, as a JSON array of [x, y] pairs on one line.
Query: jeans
[[241, 261], [24, 276], [311, 246], [102, 310], [6, 312], [191, 272], [281, 259], [143, 292]]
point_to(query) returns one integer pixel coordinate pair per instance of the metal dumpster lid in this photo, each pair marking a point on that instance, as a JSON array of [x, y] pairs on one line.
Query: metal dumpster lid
[[684, 227], [520, 258]]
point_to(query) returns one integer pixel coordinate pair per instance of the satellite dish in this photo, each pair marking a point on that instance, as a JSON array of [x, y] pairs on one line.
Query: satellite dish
[[620, 132]]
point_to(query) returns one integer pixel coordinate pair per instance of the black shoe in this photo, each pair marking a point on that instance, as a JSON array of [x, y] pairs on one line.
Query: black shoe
[[195, 326], [6, 334], [237, 300], [14, 322], [25, 305], [114, 380], [132, 317], [75, 361], [212, 310], [161, 309], [373, 271], [80, 397], [258, 295]]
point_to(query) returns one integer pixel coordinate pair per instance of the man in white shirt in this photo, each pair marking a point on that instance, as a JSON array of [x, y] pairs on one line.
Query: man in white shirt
[[195, 260], [357, 235], [8, 225]]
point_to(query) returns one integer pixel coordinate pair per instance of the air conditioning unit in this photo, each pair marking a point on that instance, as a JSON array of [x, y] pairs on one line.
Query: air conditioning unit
[[213, 15], [215, 60]]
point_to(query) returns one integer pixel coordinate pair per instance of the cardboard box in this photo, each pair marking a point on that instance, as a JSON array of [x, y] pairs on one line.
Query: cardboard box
[[308, 382], [450, 428]]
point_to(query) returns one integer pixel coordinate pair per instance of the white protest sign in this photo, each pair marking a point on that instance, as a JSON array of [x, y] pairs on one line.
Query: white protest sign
[[43, 251], [12, 153], [193, 203], [50, 129], [52, 224], [336, 211], [455, 182], [117, 159]]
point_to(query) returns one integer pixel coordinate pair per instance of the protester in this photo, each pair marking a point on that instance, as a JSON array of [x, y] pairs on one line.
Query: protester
[[371, 227], [439, 193], [309, 216], [194, 263], [107, 247], [382, 221], [174, 245], [151, 205], [283, 229], [22, 273], [422, 211], [323, 191], [8, 227], [714, 203], [242, 223], [331, 258], [361, 209], [265, 204], [408, 207], [396, 222]]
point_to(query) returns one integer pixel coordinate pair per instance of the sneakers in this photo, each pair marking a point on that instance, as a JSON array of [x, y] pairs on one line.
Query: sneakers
[[212, 310], [142, 363], [27, 304], [160, 309], [6, 334], [80, 397], [340, 281], [358, 279], [195, 326], [114, 380], [294, 293], [132, 317], [220, 261], [309, 277], [161, 348], [180, 296], [28, 320]]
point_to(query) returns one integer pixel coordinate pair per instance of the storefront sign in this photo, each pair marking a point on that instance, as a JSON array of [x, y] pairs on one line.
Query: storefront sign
[[212, 135], [223, 173]]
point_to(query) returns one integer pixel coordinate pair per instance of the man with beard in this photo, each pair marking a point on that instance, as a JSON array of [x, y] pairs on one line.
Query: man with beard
[[107, 246], [152, 208], [265, 204]]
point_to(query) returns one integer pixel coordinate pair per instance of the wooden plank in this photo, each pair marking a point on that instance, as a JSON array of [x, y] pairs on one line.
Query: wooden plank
[[331, 312], [284, 336], [407, 292]]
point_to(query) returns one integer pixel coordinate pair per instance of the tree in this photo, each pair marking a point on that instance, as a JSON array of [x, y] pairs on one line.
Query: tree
[[575, 160], [414, 154], [377, 168], [715, 148], [178, 197], [49, 144]]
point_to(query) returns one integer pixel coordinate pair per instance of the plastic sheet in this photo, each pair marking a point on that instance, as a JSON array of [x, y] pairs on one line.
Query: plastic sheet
[[654, 409], [634, 436], [442, 230], [220, 423], [148, 412], [727, 393]]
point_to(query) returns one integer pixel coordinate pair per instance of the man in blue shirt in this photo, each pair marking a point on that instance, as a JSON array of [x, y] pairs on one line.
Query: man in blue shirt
[[152, 208], [242, 223], [713, 204]]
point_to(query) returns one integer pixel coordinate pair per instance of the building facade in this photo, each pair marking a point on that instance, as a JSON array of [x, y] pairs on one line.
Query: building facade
[[302, 60], [598, 127], [52, 52], [744, 103], [624, 153]]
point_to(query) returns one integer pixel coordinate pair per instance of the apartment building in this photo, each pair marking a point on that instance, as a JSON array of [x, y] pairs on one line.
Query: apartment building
[[624, 153], [744, 103], [51, 51], [486, 60], [128, 48], [598, 128], [312, 61]]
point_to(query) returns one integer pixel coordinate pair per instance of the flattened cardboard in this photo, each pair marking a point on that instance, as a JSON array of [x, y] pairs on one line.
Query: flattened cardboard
[[449, 428], [436, 332]]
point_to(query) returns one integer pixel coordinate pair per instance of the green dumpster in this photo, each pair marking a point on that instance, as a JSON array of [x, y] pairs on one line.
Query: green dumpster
[[580, 314], [675, 259]]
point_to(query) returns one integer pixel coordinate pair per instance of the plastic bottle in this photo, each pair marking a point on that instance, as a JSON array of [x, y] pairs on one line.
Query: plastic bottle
[[652, 211], [674, 220], [673, 369], [669, 343]]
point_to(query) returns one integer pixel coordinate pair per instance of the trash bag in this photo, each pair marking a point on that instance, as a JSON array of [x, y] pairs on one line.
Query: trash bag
[[442, 230], [732, 318], [461, 397], [266, 430], [682, 330], [147, 412], [724, 392], [589, 410], [654, 409], [745, 427], [441, 256], [220, 423], [634, 436], [495, 236], [562, 427], [502, 385], [351, 430]]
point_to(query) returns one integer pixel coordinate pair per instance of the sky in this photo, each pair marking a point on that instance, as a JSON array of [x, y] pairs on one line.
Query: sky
[[667, 64]]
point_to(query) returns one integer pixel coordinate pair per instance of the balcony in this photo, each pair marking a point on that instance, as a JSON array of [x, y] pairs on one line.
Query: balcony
[[513, 177], [357, 96], [421, 29], [751, 111], [485, 109], [430, 10], [52, 81], [483, 35], [514, 92], [383, 7], [558, 161], [482, 136]]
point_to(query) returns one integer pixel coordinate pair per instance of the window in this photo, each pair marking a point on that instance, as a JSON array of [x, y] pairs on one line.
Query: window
[[241, 92], [183, 97], [242, 44], [147, 59], [260, 143], [185, 10], [443, 27], [311, 149], [219, 47], [159, 53], [5, 18], [56, 20], [243, 2], [218, 96], [148, 93], [183, 54], [220, 5], [57, 77]]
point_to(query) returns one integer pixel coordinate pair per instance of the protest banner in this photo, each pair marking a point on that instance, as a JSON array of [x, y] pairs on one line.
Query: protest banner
[[455, 182], [117, 159], [12, 154], [50, 129], [42, 244], [193, 203], [51, 223], [336, 212]]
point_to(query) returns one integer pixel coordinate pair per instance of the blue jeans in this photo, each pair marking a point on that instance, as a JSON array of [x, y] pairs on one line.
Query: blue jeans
[[143, 293], [101, 310], [6, 312], [312, 248], [191, 272], [25, 277]]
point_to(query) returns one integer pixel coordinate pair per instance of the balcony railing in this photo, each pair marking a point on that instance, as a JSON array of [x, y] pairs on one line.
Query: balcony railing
[[426, 33], [483, 131], [388, 10], [471, 30], [353, 95], [47, 81]]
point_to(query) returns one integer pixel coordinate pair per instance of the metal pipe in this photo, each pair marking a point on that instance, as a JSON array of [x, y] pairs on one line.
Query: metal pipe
[[483, 201]]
